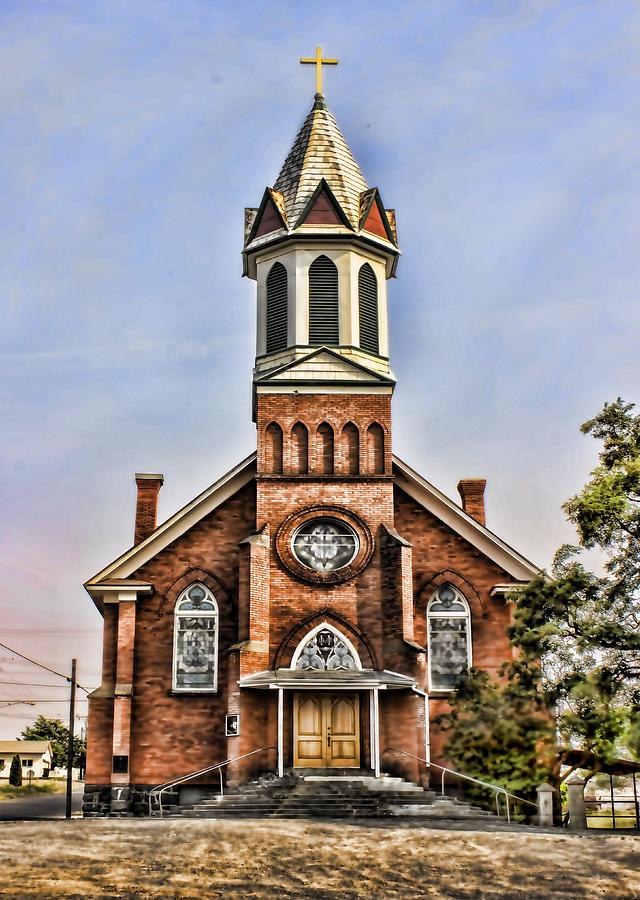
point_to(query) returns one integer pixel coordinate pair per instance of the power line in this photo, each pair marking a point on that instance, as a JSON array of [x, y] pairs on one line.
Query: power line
[[41, 665], [30, 684], [52, 630], [38, 700]]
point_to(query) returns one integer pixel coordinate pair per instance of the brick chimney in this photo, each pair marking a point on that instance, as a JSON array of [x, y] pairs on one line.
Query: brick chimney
[[146, 505], [471, 492]]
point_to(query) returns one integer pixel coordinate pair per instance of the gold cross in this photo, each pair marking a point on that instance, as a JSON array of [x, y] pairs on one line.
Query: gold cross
[[319, 62]]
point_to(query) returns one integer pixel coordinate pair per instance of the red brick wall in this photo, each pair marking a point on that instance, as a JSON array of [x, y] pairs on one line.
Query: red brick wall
[[262, 601], [440, 555], [362, 410], [173, 735]]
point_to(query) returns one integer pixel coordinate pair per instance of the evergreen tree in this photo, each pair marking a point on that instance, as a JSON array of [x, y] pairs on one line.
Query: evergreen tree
[[15, 772]]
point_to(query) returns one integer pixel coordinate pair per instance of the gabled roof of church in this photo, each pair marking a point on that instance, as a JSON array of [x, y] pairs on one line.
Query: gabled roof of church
[[320, 151], [424, 493], [445, 509]]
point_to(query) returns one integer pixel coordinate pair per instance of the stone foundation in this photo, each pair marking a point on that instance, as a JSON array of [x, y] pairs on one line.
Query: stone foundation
[[129, 800]]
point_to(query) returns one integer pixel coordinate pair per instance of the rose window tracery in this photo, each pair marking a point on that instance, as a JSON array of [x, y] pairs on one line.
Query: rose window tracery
[[325, 545]]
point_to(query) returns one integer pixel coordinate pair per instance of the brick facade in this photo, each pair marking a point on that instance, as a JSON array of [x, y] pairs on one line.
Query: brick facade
[[265, 612]]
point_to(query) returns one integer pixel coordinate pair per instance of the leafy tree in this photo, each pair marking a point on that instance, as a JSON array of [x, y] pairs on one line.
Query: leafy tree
[[56, 731], [501, 733], [15, 772], [577, 636]]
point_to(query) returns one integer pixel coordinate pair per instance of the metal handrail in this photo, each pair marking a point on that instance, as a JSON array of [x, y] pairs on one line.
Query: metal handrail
[[159, 789], [494, 787]]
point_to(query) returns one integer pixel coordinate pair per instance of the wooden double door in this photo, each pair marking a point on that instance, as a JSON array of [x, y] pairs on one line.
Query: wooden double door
[[326, 730]]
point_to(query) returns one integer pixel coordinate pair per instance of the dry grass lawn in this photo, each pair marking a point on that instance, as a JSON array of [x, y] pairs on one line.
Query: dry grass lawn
[[283, 859]]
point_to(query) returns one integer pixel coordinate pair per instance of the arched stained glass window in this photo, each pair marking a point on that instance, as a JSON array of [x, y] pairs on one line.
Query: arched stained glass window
[[276, 308], [325, 649], [323, 303], [368, 308], [449, 638], [195, 640]]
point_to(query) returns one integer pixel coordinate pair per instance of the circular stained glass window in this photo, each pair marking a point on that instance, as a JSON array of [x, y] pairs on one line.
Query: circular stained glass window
[[325, 545]]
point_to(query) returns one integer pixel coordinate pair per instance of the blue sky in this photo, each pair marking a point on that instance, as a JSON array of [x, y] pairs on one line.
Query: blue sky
[[132, 136]]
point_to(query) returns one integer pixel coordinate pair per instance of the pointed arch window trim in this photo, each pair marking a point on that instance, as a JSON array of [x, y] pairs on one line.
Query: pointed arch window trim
[[447, 642], [323, 185], [195, 642], [310, 636]]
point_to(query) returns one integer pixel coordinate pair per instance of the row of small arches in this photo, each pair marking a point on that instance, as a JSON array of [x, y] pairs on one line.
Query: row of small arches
[[324, 451], [324, 327]]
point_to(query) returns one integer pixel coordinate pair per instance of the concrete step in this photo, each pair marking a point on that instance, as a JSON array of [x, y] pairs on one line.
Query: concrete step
[[340, 794]]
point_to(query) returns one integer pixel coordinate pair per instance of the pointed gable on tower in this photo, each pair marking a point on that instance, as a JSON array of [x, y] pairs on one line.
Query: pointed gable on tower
[[374, 218], [322, 208]]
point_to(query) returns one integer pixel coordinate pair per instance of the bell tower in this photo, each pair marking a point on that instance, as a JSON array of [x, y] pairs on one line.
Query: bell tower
[[321, 247]]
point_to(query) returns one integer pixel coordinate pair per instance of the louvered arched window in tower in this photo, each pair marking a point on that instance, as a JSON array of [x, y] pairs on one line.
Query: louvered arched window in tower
[[368, 309], [323, 303], [276, 308]]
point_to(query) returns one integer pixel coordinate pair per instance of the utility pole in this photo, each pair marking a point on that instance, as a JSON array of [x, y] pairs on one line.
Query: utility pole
[[72, 715]]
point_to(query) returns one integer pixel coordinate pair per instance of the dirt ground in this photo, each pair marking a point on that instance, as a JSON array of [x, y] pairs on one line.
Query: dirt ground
[[282, 859]]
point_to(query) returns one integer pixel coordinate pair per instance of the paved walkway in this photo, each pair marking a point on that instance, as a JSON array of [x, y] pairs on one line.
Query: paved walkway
[[40, 806]]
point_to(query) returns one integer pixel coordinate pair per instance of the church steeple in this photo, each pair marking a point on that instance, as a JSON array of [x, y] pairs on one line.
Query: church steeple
[[321, 247], [320, 152]]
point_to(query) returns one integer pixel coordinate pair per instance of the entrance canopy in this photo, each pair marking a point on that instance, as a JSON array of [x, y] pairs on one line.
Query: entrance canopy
[[293, 679]]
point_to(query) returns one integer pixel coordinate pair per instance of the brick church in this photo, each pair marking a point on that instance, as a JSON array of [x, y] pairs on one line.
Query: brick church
[[319, 602]]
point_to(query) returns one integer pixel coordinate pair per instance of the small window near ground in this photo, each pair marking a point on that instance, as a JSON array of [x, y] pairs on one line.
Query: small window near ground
[[120, 765]]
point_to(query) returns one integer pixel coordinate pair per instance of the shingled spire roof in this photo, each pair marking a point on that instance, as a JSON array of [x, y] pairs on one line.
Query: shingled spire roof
[[320, 151]]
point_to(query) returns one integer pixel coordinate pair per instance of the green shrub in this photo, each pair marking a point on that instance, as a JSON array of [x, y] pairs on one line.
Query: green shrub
[[15, 772]]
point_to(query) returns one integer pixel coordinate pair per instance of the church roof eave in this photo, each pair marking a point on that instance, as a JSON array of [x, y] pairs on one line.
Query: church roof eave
[[443, 508], [250, 252], [294, 679]]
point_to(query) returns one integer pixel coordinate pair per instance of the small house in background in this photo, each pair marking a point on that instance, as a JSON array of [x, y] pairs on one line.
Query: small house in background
[[35, 756]]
